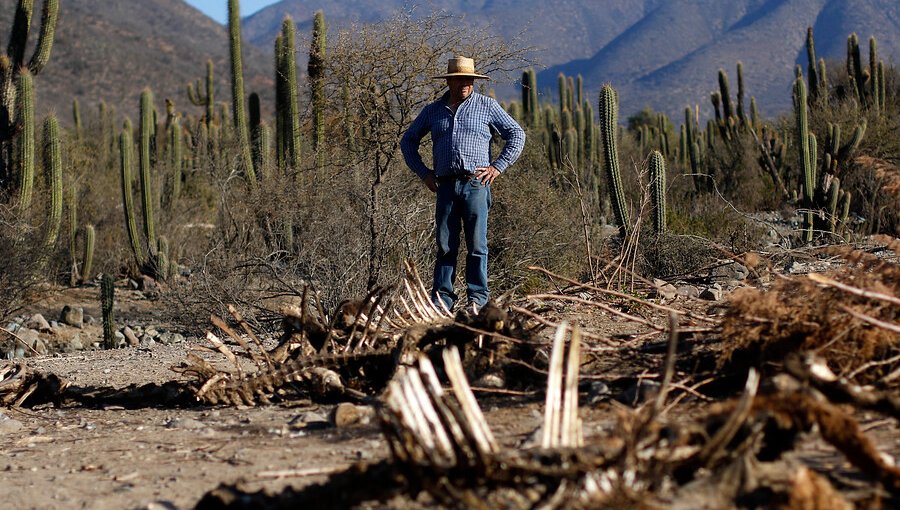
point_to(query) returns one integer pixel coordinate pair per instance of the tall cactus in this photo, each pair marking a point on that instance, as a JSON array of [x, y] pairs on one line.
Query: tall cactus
[[609, 115], [208, 100], [316, 69], [803, 139], [12, 64], [107, 294], [237, 90], [126, 165], [147, 129], [286, 88], [658, 190], [53, 171]]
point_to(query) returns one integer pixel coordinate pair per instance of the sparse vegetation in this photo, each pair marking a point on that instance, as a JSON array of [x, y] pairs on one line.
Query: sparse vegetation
[[279, 225]]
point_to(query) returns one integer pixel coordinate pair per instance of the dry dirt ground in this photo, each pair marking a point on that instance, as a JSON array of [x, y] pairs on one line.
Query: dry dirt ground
[[149, 457]]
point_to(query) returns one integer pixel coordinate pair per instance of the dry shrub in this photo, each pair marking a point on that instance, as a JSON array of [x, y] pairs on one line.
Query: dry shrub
[[535, 220], [798, 314]]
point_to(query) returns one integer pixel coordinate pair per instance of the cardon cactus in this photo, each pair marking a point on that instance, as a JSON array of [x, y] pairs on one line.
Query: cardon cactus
[[12, 64], [126, 166], [807, 171], [609, 115], [237, 90], [287, 102], [208, 100], [658, 190], [147, 131], [107, 294], [316, 69], [53, 170]]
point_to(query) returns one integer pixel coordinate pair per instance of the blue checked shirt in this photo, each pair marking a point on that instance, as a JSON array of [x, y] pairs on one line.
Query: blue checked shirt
[[462, 142]]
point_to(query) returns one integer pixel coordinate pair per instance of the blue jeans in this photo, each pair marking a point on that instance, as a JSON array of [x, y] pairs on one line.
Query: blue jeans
[[461, 202]]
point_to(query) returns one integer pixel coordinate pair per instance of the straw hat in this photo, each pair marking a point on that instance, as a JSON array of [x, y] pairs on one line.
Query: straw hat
[[461, 66]]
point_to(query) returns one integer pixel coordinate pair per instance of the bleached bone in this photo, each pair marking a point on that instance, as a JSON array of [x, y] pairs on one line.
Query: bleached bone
[[463, 393], [552, 404]]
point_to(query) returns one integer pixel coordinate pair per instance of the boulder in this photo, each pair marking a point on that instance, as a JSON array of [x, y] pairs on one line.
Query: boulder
[[73, 316], [38, 322]]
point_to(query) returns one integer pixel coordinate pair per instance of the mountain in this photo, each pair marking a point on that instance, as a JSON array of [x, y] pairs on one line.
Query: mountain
[[561, 30], [112, 49], [659, 53], [670, 58]]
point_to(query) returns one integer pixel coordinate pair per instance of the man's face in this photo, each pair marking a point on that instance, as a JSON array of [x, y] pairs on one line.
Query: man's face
[[461, 86]]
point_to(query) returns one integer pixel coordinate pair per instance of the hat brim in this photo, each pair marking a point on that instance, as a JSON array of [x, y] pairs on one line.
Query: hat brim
[[468, 75]]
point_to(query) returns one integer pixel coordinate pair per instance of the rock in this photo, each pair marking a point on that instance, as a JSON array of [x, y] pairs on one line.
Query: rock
[[712, 293], [152, 332], [797, 267], [161, 505], [346, 414], [130, 337], [89, 319], [9, 425], [165, 338], [73, 316], [121, 340], [310, 420], [40, 346], [185, 423], [133, 284], [147, 340], [598, 391], [640, 392], [149, 286], [177, 338], [688, 291], [54, 325], [733, 271], [74, 344], [38, 322], [29, 336], [664, 289], [491, 380], [12, 327]]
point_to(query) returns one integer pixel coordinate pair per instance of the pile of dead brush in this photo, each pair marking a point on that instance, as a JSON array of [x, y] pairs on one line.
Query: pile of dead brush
[[849, 317], [443, 453]]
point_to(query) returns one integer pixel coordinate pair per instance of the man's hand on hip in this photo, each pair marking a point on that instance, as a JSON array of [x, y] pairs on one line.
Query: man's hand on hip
[[431, 183], [486, 174]]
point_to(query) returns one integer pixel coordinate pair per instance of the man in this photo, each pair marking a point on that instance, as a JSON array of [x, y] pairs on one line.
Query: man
[[460, 124]]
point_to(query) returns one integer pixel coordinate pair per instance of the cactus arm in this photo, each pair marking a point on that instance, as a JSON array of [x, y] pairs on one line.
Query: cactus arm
[[41, 55], [18, 37]]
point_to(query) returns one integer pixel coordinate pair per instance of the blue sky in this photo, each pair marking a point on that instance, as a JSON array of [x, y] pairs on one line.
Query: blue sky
[[218, 9]]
